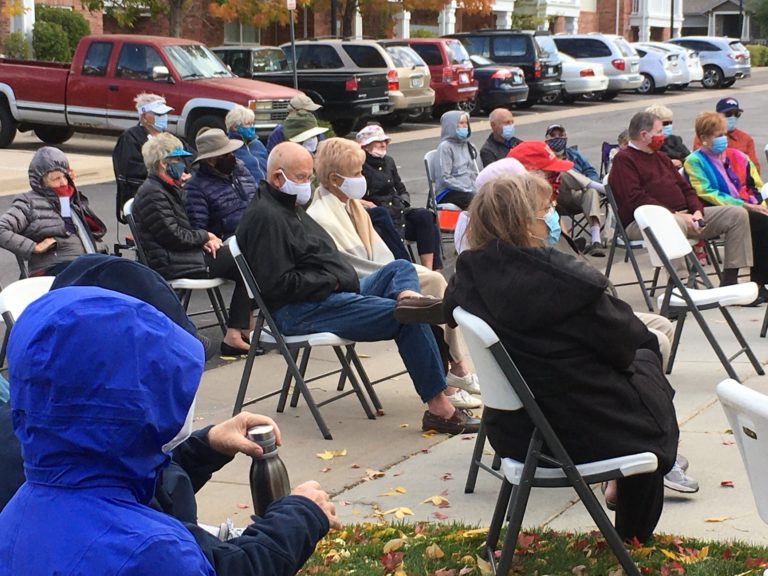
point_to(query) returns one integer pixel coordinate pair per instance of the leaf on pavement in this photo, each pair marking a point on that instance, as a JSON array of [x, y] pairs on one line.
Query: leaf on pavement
[[440, 515], [717, 519], [400, 512], [404, 425], [242, 506], [727, 484], [438, 501], [371, 474], [331, 454], [326, 469], [446, 476], [395, 492]]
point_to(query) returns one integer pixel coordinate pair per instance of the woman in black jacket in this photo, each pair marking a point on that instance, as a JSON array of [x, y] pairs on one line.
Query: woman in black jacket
[[593, 366], [385, 188], [177, 250]]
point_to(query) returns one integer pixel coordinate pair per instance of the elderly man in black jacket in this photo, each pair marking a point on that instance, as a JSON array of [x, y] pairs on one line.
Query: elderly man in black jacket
[[309, 287]]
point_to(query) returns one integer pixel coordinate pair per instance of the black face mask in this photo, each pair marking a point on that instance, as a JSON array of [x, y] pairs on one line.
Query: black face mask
[[226, 164]]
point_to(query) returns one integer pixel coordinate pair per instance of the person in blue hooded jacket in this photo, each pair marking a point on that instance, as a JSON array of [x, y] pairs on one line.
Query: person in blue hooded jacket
[[97, 422]]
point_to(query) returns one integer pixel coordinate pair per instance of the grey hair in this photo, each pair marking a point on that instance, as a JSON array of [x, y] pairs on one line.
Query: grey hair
[[239, 116], [157, 148], [660, 111], [145, 98], [641, 122]]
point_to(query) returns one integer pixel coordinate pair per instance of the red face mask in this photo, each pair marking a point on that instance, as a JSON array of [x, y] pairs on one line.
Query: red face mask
[[64, 191], [656, 142]]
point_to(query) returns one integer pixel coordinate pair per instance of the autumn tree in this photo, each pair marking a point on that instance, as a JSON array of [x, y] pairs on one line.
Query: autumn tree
[[126, 12]]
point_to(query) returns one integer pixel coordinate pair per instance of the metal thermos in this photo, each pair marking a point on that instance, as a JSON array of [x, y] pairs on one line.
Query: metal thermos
[[269, 478]]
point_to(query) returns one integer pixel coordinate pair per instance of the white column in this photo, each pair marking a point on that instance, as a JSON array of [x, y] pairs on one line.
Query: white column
[[403, 24], [711, 24], [503, 20], [446, 20], [571, 25], [745, 26], [357, 26], [25, 21]]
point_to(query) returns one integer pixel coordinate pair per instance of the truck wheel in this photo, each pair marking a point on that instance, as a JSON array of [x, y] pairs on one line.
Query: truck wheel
[[342, 126], [7, 126], [205, 121], [54, 134]]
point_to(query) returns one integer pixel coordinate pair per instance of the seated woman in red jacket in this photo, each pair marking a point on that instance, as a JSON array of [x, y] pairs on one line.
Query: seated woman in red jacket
[[594, 368]]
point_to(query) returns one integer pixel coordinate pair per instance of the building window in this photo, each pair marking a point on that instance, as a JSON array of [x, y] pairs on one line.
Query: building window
[[238, 33]]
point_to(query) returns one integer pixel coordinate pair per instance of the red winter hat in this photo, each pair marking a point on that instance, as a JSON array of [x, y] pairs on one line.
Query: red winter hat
[[536, 155]]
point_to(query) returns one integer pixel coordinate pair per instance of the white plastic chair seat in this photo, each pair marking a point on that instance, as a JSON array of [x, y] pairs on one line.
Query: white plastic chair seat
[[448, 207], [735, 295], [18, 295], [197, 283], [317, 339], [642, 463]]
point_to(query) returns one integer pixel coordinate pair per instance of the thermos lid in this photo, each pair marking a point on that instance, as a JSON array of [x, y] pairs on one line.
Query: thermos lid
[[261, 433]]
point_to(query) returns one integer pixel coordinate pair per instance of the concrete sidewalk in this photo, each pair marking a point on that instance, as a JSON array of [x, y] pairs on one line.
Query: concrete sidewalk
[[417, 467]]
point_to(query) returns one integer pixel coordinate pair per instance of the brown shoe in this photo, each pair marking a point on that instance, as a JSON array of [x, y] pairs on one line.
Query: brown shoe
[[460, 423], [424, 310]]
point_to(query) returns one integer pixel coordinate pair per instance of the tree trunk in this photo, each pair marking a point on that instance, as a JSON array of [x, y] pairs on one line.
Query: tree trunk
[[175, 16], [350, 7]]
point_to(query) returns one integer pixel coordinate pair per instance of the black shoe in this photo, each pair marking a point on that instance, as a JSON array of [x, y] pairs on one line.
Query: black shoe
[[424, 310], [595, 249], [581, 244], [227, 350]]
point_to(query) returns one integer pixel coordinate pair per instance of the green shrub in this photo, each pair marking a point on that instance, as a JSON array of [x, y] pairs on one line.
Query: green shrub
[[422, 33], [73, 23], [49, 41], [16, 46], [758, 54]]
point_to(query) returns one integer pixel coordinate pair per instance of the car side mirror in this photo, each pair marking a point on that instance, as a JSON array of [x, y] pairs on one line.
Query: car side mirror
[[161, 74]]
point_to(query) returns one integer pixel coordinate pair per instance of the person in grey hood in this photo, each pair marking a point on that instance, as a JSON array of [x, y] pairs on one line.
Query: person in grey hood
[[457, 170], [52, 224]]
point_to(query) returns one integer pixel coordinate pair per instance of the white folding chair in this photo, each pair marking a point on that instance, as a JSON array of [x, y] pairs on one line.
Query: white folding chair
[[747, 413], [666, 242], [184, 286], [268, 336], [503, 388], [15, 298]]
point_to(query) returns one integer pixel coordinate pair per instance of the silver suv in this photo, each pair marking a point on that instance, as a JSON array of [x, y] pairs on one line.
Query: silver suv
[[620, 61], [724, 59]]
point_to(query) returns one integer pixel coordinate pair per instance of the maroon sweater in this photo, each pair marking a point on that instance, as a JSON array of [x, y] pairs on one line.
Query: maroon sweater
[[638, 178]]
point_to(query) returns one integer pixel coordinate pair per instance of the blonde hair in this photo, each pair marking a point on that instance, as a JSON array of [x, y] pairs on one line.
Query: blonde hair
[[239, 116], [708, 123], [660, 111], [337, 156], [157, 148], [504, 209], [145, 98]]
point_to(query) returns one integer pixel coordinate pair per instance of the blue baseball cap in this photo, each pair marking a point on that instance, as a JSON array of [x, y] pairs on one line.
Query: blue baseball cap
[[178, 153], [728, 104]]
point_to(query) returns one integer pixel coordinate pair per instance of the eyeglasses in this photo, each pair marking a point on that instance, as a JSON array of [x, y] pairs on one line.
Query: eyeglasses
[[667, 123], [732, 113]]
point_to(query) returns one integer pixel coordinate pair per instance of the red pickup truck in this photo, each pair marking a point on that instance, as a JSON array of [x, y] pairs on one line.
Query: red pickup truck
[[95, 92]]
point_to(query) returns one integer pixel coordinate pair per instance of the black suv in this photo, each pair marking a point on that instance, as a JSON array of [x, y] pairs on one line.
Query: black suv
[[518, 48]]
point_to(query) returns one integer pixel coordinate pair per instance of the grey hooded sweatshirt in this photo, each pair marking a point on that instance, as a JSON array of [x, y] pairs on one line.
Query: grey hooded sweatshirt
[[458, 170], [36, 215]]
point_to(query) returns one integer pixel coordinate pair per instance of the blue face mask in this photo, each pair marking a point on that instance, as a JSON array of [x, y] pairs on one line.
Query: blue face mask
[[719, 144], [557, 144], [730, 123], [508, 131], [462, 133], [161, 123], [175, 170], [247, 133], [667, 130], [552, 220]]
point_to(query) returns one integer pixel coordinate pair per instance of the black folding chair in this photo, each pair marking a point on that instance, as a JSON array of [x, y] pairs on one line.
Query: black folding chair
[[503, 388]]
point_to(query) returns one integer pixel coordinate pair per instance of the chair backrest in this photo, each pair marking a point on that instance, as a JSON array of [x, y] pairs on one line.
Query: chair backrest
[[128, 213], [242, 266], [18, 295], [667, 233], [431, 160], [484, 348], [605, 157], [766, 152], [747, 413]]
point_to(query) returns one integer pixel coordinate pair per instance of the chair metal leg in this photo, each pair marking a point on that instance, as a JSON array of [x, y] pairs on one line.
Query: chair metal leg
[[764, 329], [611, 254], [295, 373], [477, 455], [351, 352], [293, 355], [655, 281], [185, 296], [303, 371], [221, 315], [354, 382], [245, 378], [676, 341], [714, 343], [745, 347], [639, 277], [497, 521]]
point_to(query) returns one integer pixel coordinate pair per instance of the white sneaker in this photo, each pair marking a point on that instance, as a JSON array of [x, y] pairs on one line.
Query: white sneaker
[[468, 382], [460, 399], [678, 481]]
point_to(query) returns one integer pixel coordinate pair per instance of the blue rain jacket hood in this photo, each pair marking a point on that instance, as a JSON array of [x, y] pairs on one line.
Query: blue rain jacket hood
[[100, 381]]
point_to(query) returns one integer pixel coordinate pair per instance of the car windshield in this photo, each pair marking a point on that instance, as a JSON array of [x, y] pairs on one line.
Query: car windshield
[[194, 61], [478, 60], [404, 57], [456, 52]]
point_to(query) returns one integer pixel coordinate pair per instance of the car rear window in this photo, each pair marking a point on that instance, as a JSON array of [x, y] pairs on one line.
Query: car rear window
[[365, 56], [737, 46], [457, 54], [510, 46], [317, 57], [625, 49], [269, 60], [404, 57], [583, 47], [546, 45], [430, 53], [480, 45]]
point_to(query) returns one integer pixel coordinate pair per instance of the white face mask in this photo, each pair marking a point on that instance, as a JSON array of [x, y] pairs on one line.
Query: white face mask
[[354, 188], [183, 434], [310, 145], [303, 192]]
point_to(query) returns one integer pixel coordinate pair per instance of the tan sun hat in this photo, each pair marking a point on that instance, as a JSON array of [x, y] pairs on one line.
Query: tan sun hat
[[303, 102], [213, 142]]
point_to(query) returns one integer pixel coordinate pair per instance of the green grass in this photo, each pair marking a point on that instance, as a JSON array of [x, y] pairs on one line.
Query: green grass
[[432, 549]]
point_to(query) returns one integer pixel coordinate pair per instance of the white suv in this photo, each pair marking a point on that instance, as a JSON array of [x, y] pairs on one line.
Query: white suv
[[620, 61]]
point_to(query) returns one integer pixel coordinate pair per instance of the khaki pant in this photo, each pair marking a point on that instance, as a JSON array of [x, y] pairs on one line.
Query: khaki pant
[[432, 283], [731, 222], [582, 201], [662, 329]]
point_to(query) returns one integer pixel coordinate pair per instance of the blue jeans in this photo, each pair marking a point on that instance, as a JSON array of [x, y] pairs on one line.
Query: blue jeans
[[385, 228], [368, 317]]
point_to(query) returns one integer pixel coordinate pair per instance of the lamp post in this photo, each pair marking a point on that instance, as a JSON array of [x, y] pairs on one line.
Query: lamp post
[[672, 18], [334, 8], [741, 19]]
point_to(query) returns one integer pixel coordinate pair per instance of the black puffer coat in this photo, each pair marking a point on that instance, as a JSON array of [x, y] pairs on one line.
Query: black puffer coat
[[172, 247], [385, 188], [584, 354]]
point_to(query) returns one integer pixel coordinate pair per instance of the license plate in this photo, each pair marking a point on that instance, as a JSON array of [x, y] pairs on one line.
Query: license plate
[[552, 71], [464, 78], [417, 82], [375, 109]]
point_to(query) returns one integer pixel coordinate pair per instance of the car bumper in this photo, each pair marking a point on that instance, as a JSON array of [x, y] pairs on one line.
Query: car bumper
[[672, 79], [400, 101], [544, 87], [342, 110], [452, 93], [623, 82], [504, 96], [585, 85]]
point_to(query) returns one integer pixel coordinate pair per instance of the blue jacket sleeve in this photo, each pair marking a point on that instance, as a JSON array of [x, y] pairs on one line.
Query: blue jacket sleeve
[[277, 544], [583, 165]]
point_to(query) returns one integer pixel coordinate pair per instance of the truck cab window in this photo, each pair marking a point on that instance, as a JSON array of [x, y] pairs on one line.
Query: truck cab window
[[136, 62], [96, 59]]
